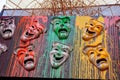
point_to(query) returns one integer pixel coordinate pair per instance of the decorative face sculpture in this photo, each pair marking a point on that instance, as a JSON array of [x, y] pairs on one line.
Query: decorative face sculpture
[[3, 48], [118, 23], [26, 57], [92, 29], [98, 56], [7, 27], [33, 31], [59, 54], [61, 27]]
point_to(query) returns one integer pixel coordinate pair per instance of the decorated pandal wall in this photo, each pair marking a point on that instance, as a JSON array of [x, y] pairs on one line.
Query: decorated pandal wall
[[80, 47]]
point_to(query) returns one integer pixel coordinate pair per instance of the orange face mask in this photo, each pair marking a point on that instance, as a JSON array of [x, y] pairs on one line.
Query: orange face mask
[[26, 57], [92, 29], [98, 56]]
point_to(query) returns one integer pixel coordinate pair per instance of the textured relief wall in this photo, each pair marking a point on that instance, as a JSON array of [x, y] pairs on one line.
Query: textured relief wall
[[81, 47]]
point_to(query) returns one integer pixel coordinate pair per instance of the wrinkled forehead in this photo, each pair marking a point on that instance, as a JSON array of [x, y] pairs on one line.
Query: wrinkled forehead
[[91, 47], [55, 19], [58, 45]]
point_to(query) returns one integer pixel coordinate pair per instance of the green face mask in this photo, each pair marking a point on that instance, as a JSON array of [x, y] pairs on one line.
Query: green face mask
[[61, 27]]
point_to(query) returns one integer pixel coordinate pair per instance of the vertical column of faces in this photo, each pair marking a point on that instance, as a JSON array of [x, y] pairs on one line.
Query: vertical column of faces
[[7, 28], [25, 53]]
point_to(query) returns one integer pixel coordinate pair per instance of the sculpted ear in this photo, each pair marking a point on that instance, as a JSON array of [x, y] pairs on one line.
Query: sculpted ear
[[16, 50], [70, 47], [85, 49]]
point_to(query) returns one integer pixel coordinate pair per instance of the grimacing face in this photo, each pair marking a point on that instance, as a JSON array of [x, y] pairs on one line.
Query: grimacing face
[[92, 29], [26, 57], [61, 26], [98, 56], [7, 27], [32, 32], [59, 54], [3, 48]]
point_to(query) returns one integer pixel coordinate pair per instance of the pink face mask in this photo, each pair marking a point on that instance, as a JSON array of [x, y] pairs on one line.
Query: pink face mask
[[32, 31], [26, 57]]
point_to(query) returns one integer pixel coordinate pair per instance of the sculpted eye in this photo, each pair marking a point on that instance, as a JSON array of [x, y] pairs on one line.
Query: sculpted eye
[[56, 23], [56, 49], [101, 49], [64, 50], [91, 52], [30, 50], [32, 26], [91, 24], [10, 22], [20, 53]]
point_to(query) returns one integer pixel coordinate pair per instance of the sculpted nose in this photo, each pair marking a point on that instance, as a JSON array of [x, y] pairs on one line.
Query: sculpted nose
[[26, 55], [62, 25], [98, 54]]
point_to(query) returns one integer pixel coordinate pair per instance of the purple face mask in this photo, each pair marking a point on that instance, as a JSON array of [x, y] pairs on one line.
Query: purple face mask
[[7, 27], [3, 48]]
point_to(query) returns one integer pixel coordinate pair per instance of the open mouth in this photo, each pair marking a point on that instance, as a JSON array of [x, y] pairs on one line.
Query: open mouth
[[62, 31], [90, 32], [58, 59], [28, 61], [101, 61], [7, 31], [29, 34]]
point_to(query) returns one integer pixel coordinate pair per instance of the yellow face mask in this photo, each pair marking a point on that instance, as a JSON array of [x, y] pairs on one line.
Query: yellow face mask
[[98, 56], [92, 29]]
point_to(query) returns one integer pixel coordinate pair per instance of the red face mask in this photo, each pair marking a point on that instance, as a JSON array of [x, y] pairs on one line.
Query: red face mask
[[26, 57], [32, 31]]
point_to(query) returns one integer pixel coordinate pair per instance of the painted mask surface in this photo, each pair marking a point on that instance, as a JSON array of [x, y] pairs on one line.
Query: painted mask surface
[[3, 48], [32, 31], [59, 54], [7, 27], [92, 29], [61, 26], [98, 56], [26, 57], [118, 23]]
